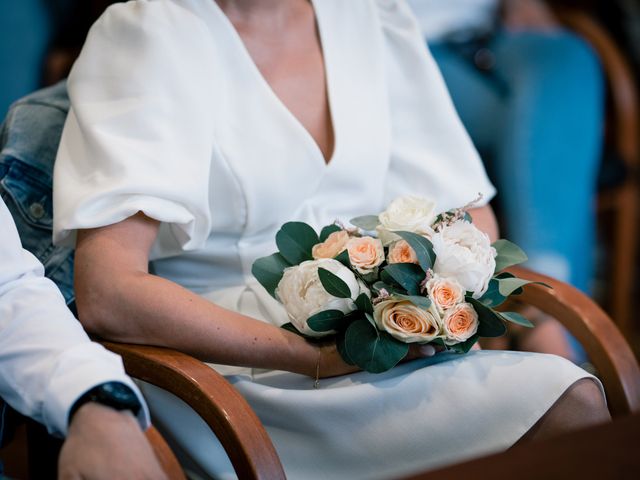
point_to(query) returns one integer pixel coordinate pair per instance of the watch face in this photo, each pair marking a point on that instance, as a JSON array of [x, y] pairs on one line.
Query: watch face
[[117, 395]]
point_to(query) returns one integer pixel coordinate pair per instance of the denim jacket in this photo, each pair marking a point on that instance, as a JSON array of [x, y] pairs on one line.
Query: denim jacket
[[29, 139]]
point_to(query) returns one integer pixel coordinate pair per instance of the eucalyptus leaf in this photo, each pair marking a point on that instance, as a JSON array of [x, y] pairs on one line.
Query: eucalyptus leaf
[[269, 270], [508, 254], [343, 258], [363, 302], [372, 350], [407, 275], [417, 300], [490, 322], [328, 230], [342, 349], [333, 284], [507, 286], [295, 241], [492, 297], [371, 320], [326, 321], [366, 222], [423, 248], [516, 318]]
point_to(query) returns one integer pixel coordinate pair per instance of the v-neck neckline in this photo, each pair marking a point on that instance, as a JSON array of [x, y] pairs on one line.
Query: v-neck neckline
[[329, 86]]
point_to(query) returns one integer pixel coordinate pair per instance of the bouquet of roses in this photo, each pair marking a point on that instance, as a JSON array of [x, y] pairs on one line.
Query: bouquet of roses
[[405, 276]]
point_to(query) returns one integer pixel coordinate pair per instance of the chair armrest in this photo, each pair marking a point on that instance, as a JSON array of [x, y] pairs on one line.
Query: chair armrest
[[225, 411], [601, 339], [165, 456]]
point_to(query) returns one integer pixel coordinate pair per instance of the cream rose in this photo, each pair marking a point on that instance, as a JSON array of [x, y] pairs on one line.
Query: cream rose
[[365, 253], [303, 295], [465, 254], [460, 323], [407, 322], [410, 214], [444, 292], [335, 243], [401, 252]]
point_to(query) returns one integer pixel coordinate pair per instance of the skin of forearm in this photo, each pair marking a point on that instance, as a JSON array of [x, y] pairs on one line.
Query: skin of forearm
[[485, 220]]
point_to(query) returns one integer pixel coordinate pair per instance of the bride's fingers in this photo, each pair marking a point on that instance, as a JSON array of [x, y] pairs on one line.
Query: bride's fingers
[[422, 351]]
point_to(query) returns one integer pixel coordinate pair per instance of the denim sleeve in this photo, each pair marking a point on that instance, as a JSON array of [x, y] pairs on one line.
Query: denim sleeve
[[29, 141]]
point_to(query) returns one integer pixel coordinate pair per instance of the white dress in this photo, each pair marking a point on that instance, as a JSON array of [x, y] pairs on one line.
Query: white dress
[[170, 116]]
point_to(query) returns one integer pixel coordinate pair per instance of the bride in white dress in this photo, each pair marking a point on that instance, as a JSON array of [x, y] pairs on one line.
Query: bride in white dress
[[196, 129]]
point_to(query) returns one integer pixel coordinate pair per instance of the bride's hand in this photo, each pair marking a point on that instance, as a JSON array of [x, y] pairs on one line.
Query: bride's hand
[[331, 364]]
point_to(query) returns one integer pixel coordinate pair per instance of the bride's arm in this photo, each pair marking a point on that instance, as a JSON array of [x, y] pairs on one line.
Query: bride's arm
[[119, 300], [485, 220]]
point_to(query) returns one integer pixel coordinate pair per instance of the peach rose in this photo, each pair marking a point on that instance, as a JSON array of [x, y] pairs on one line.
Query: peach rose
[[335, 243], [407, 322], [444, 292], [401, 252], [460, 323], [365, 253]]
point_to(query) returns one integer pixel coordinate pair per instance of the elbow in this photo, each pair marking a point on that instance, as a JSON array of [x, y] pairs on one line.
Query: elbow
[[99, 313]]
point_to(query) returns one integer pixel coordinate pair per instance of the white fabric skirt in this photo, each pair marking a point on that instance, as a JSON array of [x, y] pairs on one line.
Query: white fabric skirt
[[420, 415]]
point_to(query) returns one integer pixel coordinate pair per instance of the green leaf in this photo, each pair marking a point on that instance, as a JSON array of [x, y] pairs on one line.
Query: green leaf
[[407, 275], [333, 284], [366, 222], [507, 286], [342, 348], [423, 248], [508, 254], [328, 230], [417, 300], [363, 302], [491, 324], [465, 346], [326, 320], [492, 297], [268, 271], [516, 318], [372, 350], [343, 258], [371, 320], [295, 241], [468, 217]]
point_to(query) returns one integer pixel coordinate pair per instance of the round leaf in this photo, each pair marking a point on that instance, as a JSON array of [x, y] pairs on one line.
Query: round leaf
[[333, 284], [295, 241], [371, 350], [325, 321]]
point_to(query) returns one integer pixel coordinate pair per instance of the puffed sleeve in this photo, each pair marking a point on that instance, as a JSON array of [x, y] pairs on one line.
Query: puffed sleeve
[[431, 152], [139, 134]]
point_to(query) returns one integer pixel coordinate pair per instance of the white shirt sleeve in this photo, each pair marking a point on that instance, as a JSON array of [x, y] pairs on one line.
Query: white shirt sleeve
[[139, 134], [46, 359], [431, 152]]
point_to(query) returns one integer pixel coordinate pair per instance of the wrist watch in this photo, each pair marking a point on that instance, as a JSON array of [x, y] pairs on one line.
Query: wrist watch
[[116, 395]]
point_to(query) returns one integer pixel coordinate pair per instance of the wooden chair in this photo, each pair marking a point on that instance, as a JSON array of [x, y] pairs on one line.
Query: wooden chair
[[618, 203], [247, 443]]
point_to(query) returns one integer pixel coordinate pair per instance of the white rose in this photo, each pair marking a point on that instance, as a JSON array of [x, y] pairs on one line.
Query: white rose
[[409, 214], [465, 254], [303, 295], [407, 322]]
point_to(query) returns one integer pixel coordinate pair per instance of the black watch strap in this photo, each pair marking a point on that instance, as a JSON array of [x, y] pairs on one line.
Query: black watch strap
[[116, 395]]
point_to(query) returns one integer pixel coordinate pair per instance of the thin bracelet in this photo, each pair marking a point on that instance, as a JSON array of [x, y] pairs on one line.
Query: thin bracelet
[[316, 383]]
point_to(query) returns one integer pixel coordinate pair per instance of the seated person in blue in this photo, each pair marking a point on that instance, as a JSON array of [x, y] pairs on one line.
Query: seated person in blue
[[531, 97]]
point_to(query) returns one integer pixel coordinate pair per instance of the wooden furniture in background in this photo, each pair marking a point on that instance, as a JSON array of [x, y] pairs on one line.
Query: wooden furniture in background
[[247, 443], [619, 202], [607, 451]]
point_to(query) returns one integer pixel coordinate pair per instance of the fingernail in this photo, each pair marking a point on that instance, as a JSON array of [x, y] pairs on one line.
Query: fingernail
[[427, 350]]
